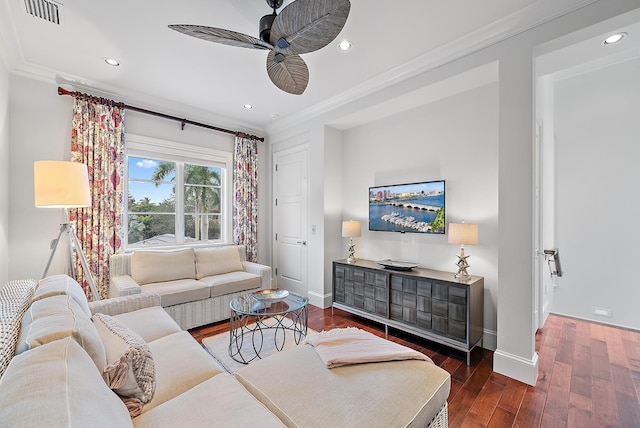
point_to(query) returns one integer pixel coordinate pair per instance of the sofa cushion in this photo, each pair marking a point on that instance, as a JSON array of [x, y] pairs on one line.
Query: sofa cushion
[[57, 385], [57, 317], [62, 284], [214, 261], [150, 323], [181, 364], [15, 297], [178, 291], [222, 396], [130, 365], [231, 282], [159, 266], [412, 394]]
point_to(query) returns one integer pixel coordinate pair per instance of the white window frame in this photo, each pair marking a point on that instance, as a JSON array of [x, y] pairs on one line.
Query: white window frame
[[154, 148]]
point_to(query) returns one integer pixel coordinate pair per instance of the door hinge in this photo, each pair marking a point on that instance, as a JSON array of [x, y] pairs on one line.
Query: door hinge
[[276, 271], [276, 167], [276, 202], [276, 236]]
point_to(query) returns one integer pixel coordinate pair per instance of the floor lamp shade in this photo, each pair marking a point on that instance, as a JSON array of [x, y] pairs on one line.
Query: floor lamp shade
[[61, 184]]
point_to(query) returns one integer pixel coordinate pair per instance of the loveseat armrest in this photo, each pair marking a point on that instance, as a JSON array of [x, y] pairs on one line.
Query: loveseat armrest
[[262, 270], [123, 285], [121, 305]]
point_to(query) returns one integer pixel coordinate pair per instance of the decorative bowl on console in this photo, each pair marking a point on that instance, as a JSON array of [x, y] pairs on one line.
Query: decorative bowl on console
[[397, 264]]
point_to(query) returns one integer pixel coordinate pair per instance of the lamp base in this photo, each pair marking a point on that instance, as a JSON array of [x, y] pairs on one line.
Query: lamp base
[[462, 276], [352, 252], [462, 264]]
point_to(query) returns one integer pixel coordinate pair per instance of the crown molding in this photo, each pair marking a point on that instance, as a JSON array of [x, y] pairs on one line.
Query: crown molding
[[509, 26]]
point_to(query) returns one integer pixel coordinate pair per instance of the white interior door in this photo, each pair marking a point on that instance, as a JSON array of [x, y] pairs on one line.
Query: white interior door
[[290, 219]]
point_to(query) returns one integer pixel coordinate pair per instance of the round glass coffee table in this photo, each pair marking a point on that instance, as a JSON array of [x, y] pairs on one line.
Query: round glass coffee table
[[253, 322]]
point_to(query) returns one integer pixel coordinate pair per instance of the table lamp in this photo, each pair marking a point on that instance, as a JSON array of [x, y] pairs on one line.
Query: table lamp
[[463, 233], [351, 229], [61, 184]]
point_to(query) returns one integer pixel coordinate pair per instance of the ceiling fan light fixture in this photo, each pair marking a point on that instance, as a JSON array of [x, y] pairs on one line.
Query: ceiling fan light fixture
[[614, 38], [345, 45]]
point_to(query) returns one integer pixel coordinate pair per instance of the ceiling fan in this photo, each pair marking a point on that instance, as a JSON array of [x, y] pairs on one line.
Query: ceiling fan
[[302, 26]]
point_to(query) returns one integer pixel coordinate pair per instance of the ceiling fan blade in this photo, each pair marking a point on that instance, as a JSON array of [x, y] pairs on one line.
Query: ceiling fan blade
[[288, 72], [308, 25], [220, 35]]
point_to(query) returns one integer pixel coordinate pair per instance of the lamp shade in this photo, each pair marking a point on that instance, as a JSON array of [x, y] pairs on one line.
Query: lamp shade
[[351, 229], [60, 184], [463, 233]]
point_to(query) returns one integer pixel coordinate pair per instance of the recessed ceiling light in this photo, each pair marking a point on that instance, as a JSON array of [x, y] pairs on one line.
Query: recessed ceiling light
[[248, 106], [112, 62], [345, 45], [614, 38]]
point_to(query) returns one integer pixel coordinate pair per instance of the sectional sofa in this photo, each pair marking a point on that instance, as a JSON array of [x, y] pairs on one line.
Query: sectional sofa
[[64, 364], [196, 285]]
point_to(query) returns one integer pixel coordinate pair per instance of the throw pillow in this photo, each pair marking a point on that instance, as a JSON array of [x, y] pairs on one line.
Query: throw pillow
[[130, 366], [216, 261]]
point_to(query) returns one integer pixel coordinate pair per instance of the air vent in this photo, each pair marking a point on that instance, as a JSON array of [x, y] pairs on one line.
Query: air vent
[[44, 9]]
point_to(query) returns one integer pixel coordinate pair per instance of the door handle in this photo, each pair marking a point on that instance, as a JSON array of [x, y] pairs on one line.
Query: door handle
[[301, 242]]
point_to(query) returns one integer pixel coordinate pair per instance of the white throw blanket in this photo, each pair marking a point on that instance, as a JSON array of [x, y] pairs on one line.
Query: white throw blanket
[[343, 346]]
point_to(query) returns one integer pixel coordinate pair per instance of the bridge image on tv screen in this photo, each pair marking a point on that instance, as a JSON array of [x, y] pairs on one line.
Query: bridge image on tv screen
[[414, 207]]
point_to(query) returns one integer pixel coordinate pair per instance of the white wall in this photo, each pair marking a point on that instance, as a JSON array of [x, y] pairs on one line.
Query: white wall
[[455, 139], [40, 128], [597, 148], [4, 173]]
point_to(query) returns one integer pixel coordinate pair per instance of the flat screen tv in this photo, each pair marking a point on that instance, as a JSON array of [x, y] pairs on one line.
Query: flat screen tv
[[413, 207]]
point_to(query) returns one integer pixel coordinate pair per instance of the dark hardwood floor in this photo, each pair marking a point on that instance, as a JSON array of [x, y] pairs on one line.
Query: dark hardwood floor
[[589, 375]]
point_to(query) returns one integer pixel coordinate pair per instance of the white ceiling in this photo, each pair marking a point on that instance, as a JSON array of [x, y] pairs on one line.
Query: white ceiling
[[179, 74]]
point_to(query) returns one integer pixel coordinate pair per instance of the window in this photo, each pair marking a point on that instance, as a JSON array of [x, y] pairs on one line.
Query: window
[[176, 194]]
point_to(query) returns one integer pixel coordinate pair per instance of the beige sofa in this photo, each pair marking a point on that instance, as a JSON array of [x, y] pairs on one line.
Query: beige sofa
[[196, 285], [58, 378]]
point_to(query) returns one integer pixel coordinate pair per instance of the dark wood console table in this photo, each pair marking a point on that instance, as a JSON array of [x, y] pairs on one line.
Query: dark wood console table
[[428, 303]]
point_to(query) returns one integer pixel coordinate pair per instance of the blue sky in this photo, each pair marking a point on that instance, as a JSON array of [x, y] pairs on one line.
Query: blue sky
[[418, 187]]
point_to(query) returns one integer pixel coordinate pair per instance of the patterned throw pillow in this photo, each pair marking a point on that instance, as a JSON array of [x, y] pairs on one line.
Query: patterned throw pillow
[[130, 366], [15, 297]]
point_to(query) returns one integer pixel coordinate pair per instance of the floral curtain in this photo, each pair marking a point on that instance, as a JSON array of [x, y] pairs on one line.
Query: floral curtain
[[97, 140], [245, 189]]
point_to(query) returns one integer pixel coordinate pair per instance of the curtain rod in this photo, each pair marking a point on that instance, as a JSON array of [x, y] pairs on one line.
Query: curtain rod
[[183, 122]]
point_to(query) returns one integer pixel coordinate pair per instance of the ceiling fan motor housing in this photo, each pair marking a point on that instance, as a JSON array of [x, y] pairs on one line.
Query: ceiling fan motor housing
[[266, 22]]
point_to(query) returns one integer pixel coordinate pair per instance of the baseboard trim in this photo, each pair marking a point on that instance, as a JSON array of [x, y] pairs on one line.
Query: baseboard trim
[[320, 300], [516, 367], [489, 339]]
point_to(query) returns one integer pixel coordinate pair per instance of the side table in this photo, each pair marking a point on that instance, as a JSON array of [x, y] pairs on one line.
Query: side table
[[251, 318]]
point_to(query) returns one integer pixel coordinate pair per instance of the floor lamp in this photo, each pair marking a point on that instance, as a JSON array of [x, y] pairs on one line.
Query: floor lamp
[[60, 184]]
